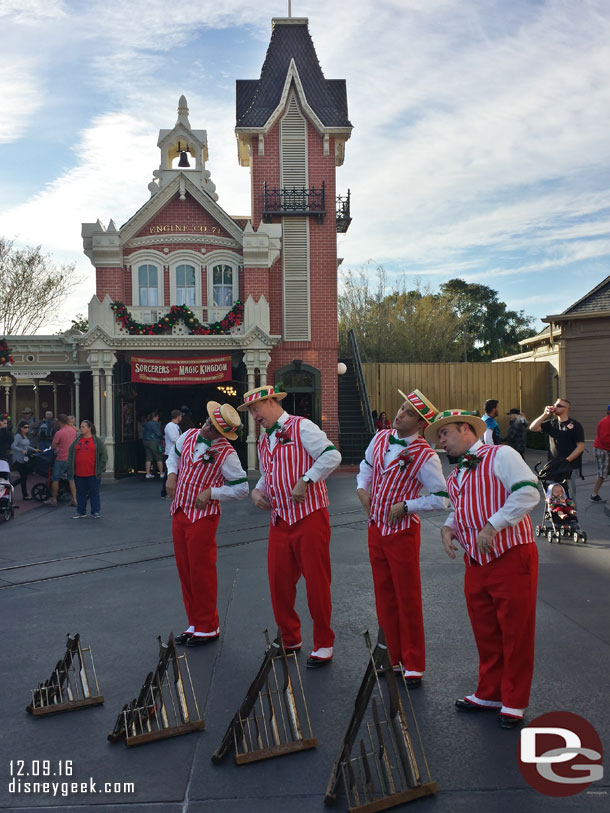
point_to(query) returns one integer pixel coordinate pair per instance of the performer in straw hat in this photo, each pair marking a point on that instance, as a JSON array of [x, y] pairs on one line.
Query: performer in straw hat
[[203, 469], [491, 491], [295, 458], [397, 464]]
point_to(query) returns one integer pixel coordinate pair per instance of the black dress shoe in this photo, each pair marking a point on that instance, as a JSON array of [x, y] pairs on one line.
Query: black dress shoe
[[413, 682], [289, 650], [183, 638], [465, 705], [201, 640], [507, 721], [316, 663]]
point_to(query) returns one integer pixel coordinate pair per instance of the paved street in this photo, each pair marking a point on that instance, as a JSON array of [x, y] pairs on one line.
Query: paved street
[[114, 581]]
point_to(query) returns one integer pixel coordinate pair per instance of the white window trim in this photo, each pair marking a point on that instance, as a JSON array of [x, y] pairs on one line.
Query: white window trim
[[222, 258], [139, 258], [177, 258]]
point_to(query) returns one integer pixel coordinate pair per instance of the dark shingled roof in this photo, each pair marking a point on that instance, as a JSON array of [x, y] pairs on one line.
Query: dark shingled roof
[[257, 99], [595, 301]]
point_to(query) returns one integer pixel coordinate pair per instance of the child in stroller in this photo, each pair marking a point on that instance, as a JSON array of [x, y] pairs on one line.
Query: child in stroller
[[560, 505], [560, 517], [7, 507]]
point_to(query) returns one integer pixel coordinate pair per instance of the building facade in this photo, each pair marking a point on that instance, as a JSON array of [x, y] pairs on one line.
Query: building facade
[[194, 304]]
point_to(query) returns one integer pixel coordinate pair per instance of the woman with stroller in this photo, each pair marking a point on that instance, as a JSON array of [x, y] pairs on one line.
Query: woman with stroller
[[22, 449], [87, 459]]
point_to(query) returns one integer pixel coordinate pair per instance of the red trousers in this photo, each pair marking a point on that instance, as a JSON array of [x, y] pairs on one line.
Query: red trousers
[[395, 563], [302, 549], [501, 601], [195, 552]]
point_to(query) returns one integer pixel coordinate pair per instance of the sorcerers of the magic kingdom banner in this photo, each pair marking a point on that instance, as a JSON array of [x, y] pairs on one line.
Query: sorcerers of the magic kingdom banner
[[180, 371]]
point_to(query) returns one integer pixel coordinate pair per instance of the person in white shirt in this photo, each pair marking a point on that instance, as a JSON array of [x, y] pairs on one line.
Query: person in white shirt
[[492, 491], [203, 469], [172, 433], [397, 464], [295, 458]]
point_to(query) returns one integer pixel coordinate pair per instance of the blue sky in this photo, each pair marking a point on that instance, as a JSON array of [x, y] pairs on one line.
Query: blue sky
[[480, 146]]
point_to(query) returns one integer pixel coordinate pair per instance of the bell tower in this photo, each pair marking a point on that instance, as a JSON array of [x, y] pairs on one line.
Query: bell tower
[[292, 125], [180, 143]]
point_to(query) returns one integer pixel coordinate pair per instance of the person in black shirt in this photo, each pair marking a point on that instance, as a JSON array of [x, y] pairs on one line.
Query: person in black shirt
[[567, 437]]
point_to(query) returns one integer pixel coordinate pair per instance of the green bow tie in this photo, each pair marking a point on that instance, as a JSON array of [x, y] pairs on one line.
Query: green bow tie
[[203, 440], [400, 442], [272, 429]]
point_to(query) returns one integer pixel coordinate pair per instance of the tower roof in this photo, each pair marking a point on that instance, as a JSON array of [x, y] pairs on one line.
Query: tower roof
[[256, 100]]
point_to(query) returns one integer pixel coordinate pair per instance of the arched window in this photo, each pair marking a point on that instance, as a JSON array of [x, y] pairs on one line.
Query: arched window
[[148, 285], [303, 383], [222, 286], [185, 285]]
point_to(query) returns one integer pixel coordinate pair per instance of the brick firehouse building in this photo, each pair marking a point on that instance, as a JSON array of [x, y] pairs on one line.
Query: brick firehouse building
[[194, 304]]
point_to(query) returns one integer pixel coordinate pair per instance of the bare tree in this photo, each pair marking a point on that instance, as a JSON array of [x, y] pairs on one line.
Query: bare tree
[[32, 288]]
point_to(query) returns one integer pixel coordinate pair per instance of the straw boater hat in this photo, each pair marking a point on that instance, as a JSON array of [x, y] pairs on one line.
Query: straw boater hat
[[454, 416], [225, 419], [261, 394], [419, 402]]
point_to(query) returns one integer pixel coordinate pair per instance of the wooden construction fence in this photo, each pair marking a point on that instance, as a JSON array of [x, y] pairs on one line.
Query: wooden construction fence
[[463, 385]]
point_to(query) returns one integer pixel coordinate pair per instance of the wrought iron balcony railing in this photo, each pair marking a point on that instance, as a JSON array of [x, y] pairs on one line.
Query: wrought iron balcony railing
[[343, 213], [301, 202], [294, 201]]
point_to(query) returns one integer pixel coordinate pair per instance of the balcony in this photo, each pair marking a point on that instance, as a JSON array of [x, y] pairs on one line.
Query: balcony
[[303, 202], [294, 201], [343, 213]]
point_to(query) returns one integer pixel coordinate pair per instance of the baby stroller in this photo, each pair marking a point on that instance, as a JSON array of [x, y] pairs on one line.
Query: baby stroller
[[42, 464], [553, 475], [7, 506]]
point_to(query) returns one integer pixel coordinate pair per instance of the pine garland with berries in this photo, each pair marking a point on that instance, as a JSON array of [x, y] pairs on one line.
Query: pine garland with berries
[[178, 313], [5, 354]]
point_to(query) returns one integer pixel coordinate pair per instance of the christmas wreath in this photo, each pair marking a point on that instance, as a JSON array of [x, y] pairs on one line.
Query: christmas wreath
[[178, 313], [5, 354]]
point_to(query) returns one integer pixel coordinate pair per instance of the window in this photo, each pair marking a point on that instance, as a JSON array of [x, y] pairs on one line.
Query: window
[[148, 285], [185, 285], [222, 286]]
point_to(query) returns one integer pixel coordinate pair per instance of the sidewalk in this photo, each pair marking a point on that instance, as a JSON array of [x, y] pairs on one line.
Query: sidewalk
[[114, 581]]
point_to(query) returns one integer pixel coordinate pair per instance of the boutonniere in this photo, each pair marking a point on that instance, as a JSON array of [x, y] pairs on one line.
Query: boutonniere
[[282, 436], [209, 456], [468, 461], [404, 459]]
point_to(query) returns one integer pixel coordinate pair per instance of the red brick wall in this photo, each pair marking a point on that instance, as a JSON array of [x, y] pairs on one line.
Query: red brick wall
[[321, 351], [110, 281]]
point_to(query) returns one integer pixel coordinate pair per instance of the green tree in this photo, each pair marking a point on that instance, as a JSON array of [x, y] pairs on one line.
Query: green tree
[[488, 329], [32, 288], [396, 324]]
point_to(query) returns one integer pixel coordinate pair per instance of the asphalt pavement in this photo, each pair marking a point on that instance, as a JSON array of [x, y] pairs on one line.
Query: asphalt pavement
[[114, 581]]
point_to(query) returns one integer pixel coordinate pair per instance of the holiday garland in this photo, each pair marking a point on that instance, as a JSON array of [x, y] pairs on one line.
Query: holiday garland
[[5, 354], [178, 313]]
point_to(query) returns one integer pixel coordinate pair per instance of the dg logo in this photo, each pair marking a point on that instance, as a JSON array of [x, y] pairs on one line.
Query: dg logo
[[560, 754]]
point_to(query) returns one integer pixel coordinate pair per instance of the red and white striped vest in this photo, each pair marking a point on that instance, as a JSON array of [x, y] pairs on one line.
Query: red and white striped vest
[[195, 476], [478, 497], [396, 483], [283, 467]]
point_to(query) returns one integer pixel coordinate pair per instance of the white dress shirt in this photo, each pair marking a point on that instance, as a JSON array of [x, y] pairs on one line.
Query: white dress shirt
[[314, 441], [172, 433], [231, 470], [430, 476], [510, 469]]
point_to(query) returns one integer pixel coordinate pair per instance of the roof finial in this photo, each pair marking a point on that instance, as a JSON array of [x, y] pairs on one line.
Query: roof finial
[[183, 112]]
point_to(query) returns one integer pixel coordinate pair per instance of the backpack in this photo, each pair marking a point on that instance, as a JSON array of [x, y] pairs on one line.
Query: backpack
[[44, 430]]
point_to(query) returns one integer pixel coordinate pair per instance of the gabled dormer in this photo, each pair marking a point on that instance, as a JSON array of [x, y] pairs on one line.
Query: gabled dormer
[[181, 147]]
